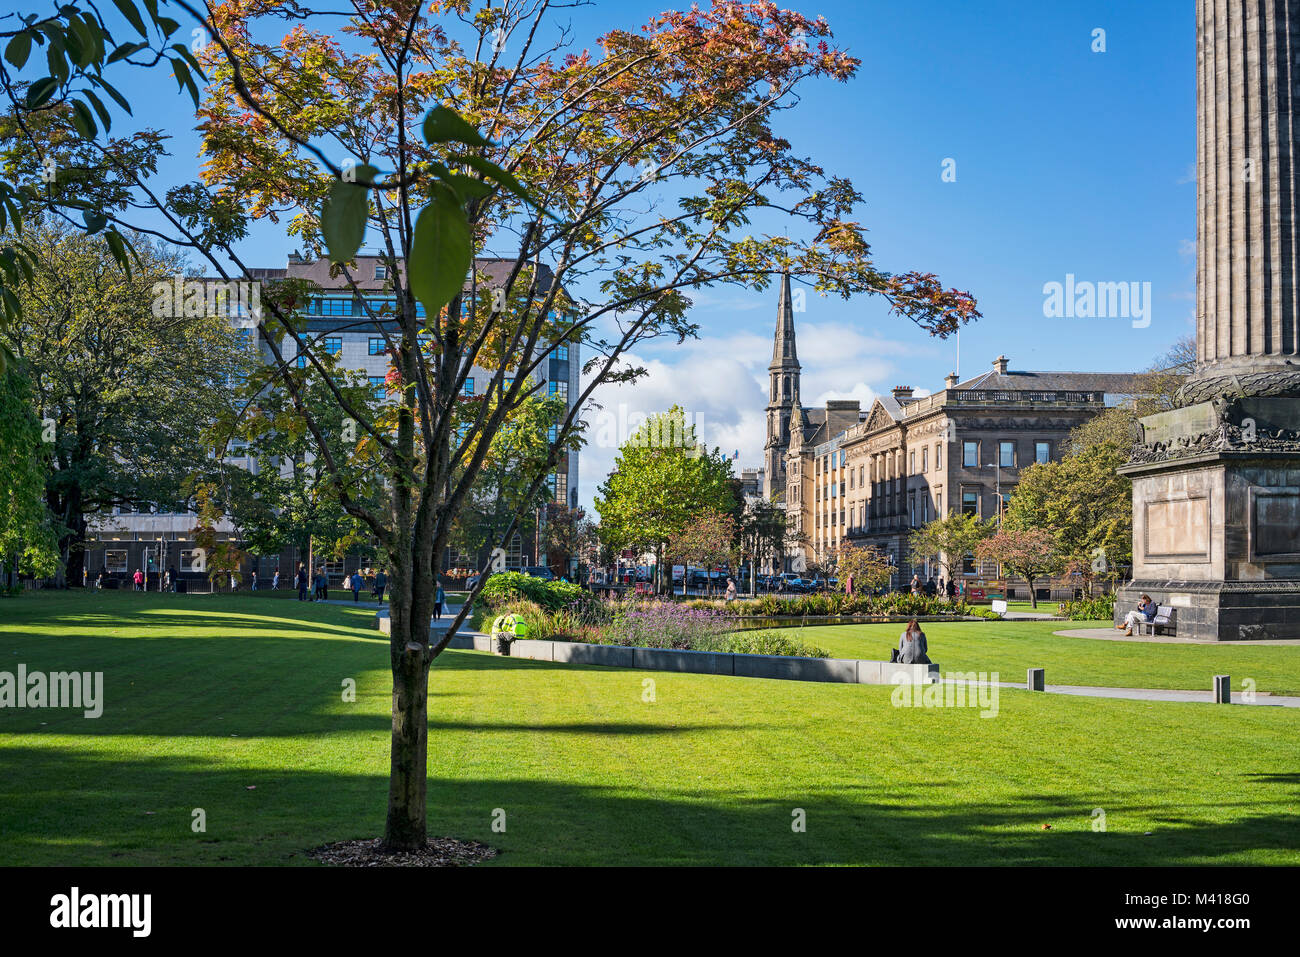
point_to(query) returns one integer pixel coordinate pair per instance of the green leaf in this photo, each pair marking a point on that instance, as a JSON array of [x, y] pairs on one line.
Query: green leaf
[[125, 50], [167, 25], [442, 125], [442, 252], [118, 98], [343, 218], [128, 10], [184, 80], [467, 187], [40, 92], [83, 50], [95, 220], [98, 104], [19, 49], [118, 247], [492, 171], [83, 121]]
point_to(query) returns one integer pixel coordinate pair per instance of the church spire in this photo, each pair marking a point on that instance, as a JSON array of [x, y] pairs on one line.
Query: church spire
[[783, 351]]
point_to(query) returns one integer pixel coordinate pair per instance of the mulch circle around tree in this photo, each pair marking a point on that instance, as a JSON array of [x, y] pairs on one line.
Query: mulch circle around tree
[[439, 852]]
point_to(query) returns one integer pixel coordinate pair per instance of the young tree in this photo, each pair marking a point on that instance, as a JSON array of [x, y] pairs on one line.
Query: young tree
[[949, 540], [662, 480], [762, 536], [649, 158], [705, 540], [566, 533], [1030, 554], [866, 565]]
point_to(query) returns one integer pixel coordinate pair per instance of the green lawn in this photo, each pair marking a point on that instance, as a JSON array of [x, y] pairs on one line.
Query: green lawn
[[1012, 647], [207, 697]]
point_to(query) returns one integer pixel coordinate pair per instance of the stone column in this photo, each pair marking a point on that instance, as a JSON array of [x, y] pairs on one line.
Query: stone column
[[1248, 234], [1216, 481]]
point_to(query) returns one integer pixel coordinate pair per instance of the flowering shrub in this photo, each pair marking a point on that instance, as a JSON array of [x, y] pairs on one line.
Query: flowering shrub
[[505, 587], [1101, 608], [894, 604]]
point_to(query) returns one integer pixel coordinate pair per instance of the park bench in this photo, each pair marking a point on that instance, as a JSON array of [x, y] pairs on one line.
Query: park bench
[[1164, 619]]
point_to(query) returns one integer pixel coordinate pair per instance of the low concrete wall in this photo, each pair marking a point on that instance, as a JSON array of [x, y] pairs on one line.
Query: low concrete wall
[[694, 662], [536, 650], [578, 653], [796, 669], [888, 673]]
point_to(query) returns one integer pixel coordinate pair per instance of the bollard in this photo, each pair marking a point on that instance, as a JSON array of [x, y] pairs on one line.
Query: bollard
[[1037, 680], [1222, 689]]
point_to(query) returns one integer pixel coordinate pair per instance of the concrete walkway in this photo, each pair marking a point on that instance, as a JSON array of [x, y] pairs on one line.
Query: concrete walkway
[[1112, 634], [1030, 616], [1151, 694]]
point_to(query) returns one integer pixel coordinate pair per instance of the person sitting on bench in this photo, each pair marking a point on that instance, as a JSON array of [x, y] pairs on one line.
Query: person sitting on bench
[[1146, 611], [912, 646]]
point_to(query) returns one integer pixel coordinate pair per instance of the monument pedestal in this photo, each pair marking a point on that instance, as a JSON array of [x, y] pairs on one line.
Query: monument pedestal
[[1216, 518]]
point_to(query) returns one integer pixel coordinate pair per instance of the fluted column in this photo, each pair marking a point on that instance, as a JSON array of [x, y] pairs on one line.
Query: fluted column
[[1248, 283]]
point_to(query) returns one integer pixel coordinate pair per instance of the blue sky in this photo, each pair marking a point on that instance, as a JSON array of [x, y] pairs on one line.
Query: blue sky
[[1067, 161]]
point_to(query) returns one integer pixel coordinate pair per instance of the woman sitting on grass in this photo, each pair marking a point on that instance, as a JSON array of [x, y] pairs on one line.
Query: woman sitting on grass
[[912, 647]]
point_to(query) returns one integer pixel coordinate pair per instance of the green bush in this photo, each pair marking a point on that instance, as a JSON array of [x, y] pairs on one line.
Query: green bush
[[894, 605], [505, 587], [1100, 608], [771, 643]]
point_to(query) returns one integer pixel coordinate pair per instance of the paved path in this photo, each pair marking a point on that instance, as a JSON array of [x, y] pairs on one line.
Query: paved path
[[1111, 634], [1152, 694], [1029, 616]]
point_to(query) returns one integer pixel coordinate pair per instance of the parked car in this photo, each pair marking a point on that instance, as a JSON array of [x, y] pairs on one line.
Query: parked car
[[538, 571]]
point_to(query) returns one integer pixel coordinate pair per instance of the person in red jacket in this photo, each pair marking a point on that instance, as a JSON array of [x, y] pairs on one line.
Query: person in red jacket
[[138, 578]]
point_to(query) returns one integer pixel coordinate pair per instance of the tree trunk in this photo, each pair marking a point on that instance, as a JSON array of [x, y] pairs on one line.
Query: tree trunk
[[407, 826], [1033, 595]]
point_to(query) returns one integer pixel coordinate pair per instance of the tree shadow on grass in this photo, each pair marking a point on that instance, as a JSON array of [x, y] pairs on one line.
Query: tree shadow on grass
[[58, 807]]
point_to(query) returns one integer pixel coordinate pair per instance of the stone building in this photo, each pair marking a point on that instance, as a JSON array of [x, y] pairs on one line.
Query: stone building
[[337, 321], [871, 476]]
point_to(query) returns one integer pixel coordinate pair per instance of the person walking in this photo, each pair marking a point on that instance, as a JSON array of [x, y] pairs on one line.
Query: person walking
[[356, 587], [439, 597], [381, 582], [324, 584], [99, 582], [138, 579], [301, 581], [916, 584], [253, 586], [731, 590], [275, 581]]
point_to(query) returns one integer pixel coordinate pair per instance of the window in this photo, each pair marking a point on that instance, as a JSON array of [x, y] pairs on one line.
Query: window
[[970, 502], [561, 352], [968, 564], [938, 456], [938, 505], [376, 345], [552, 434], [559, 482], [302, 362], [1007, 454], [115, 560], [377, 387], [469, 387], [334, 307], [911, 511], [925, 459], [192, 560], [1042, 452], [911, 463], [381, 271], [843, 454], [970, 455], [333, 345], [560, 389]]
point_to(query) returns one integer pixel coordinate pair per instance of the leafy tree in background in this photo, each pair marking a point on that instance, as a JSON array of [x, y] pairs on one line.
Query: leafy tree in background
[[948, 540], [662, 481], [125, 388], [762, 535], [566, 533], [28, 542], [706, 540], [869, 567], [1031, 554]]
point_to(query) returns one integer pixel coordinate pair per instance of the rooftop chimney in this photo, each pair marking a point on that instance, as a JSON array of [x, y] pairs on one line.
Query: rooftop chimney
[[902, 393], [950, 380], [1000, 364]]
